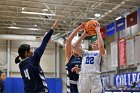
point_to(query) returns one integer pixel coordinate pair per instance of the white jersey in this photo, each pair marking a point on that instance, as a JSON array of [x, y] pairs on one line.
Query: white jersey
[[91, 62]]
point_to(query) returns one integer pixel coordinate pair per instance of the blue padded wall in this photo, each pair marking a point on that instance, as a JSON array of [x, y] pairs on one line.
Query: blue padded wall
[[15, 85]]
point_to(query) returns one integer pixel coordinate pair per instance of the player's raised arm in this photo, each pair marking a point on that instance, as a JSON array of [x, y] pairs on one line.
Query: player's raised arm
[[68, 47], [40, 50], [78, 43], [100, 41]]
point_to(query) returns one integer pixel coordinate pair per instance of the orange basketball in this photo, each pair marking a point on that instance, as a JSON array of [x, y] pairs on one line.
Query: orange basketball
[[90, 27]]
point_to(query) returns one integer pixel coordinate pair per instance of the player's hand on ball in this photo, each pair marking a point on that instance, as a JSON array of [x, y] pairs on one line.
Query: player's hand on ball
[[82, 26], [97, 27], [86, 34]]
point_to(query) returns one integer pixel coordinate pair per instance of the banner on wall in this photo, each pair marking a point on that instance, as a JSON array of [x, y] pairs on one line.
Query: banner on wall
[[137, 49], [127, 79], [138, 19], [132, 19], [114, 54], [122, 52], [103, 32], [106, 80], [120, 24], [110, 29], [139, 13], [130, 51]]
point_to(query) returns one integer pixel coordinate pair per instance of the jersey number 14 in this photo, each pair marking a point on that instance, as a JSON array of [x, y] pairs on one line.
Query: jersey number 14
[[89, 60], [27, 74]]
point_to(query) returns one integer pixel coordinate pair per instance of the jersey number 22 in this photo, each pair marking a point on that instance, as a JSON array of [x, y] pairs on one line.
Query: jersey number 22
[[89, 60]]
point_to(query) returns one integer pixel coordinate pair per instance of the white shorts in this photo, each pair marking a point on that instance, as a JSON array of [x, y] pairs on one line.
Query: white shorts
[[90, 83]]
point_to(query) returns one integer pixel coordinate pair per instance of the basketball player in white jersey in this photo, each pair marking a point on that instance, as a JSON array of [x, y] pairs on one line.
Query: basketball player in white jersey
[[89, 79]]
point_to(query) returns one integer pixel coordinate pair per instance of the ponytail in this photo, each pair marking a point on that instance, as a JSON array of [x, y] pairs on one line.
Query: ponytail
[[21, 51], [17, 60]]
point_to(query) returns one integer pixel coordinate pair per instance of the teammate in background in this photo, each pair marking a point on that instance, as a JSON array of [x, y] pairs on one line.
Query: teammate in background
[[29, 65], [89, 79], [2, 79], [73, 62]]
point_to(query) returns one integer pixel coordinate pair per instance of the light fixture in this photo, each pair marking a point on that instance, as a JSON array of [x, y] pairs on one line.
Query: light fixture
[[23, 8], [45, 9], [116, 7], [35, 25], [109, 11], [17, 37], [13, 27], [118, 18], [106, 13], [33, 29], [97, 15], [92, 18], [36, 13], [123, 2]]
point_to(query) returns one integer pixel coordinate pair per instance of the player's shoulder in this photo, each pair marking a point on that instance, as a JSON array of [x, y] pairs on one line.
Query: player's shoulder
[[70, 60]]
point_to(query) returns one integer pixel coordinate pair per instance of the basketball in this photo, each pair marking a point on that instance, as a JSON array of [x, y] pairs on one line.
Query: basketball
[[90, 27]]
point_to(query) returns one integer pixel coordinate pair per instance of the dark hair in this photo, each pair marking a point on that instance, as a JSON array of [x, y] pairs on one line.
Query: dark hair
[[1, 72], [21, 51]]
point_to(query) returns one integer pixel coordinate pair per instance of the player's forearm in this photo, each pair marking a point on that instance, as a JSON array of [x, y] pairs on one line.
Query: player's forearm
[[68, 43], [73, 33], [47, 37], [101, 43], [45, 41], [100, 39], [78, 43]]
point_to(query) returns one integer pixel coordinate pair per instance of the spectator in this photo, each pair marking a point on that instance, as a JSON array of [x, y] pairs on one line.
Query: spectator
[[2, 79]]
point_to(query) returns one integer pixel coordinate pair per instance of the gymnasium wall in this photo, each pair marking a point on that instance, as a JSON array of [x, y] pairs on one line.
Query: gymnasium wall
[[2, 52], [132, 52]]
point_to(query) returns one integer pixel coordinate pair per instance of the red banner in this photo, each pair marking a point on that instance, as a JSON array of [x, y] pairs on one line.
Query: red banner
[[122, 52], [103, 32], [132, 19]]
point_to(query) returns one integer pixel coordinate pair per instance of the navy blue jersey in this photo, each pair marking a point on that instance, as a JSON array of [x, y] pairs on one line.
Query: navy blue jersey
[[31, 72], [74, 61], [1, 86], [72, 77]]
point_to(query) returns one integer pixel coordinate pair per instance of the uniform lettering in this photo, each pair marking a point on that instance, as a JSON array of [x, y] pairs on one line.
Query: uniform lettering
[[27, 74]]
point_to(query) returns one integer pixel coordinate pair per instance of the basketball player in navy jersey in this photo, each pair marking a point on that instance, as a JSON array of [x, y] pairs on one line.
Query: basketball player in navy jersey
[[29, 65], [73, 62], [89, 78]]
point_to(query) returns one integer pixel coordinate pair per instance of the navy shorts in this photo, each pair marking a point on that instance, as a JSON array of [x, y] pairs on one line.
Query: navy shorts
[[73, 88]]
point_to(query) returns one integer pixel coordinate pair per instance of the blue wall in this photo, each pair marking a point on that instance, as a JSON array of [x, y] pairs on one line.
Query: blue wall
[[15, 85]]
